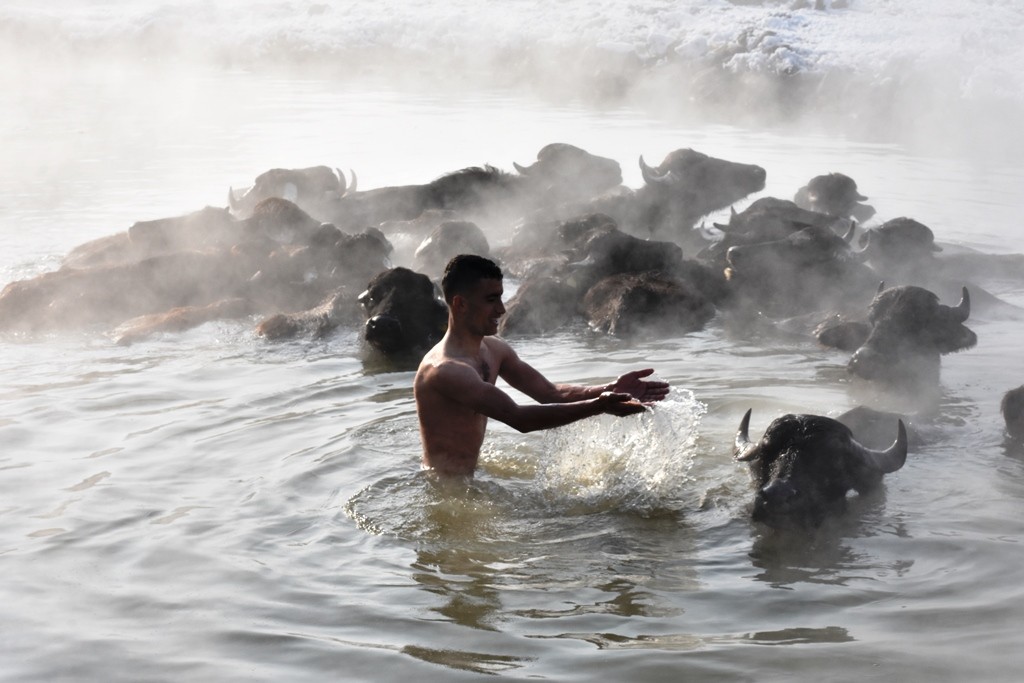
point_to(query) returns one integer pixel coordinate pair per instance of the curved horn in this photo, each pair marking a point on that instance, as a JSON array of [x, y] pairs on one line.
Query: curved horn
[[743, 448], [354, 185], [892, 458], [242, 203], [861, 254], [963, 309], [649, 173], [341, 182], [848, 237], [522, 170]]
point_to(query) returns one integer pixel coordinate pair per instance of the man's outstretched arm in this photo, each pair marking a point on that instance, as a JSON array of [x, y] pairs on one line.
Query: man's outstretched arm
[[527, 379], [461, 384]]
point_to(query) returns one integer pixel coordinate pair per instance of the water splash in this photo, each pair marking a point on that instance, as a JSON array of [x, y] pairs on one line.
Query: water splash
[[634, 464]]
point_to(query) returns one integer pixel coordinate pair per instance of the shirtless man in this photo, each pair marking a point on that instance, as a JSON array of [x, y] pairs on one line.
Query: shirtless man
[[455, 384]]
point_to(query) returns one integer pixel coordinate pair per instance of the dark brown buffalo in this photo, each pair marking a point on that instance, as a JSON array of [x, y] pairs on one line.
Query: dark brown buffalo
[[907, 331], [566, 173], [209, 227], [404, 315], [314, 189], [804, 466], [337, 308], [900, 250], [810, 270], [447, 240], [676, 194], [605, 251], [1012, 408], [834, 194], [278, 259], [686, 186], [630, 304], [484, 194], [767, 219], [541, 304]]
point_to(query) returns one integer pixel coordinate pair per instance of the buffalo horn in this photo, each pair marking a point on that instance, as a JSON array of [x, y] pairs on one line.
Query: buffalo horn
[[651, 175], [865, 240], [522, 170], [343, 187], [892, 458], [743, 449], [963, 309], [848, 237]]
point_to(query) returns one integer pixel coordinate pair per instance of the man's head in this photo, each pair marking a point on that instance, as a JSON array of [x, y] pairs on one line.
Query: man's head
[[464, 271]]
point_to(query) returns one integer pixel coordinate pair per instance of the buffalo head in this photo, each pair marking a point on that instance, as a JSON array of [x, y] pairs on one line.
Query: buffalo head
[[1012, 407], [910, 330], [804, 466], [565, 173], [404, 316], [307, 187], [899, 247], [811, 269], [689, 184], [835, 194]]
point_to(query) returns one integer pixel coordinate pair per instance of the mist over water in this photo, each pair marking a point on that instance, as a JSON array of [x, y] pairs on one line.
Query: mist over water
[[212, 506], [940, 76]]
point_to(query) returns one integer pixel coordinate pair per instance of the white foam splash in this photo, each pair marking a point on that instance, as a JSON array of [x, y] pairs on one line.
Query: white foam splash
[[638, 464]]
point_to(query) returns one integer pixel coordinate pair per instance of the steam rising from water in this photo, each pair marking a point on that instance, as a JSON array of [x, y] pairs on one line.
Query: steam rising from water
[[944, 73]]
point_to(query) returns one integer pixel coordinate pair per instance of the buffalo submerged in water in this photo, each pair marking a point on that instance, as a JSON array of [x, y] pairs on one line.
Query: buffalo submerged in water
[[804, 466]]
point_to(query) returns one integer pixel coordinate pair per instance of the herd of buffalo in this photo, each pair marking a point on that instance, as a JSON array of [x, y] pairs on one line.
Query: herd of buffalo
[[304, 251]]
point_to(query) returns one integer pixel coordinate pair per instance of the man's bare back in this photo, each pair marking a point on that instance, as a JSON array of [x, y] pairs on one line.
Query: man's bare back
[[455, 387]]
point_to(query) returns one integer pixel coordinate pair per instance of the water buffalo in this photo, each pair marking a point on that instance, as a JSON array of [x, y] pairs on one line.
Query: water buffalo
[[605, 251], [404, 314], [1012, 408], [485, 194], [650, 302], [900, 250], [836, 195], [279, 258], [445, 241], [676, 194], [767, 219], [337, 308], [804, 466], [566, 173], [314, 189], [810, 270], [541, 304], [180, 319], [909, 331], [688, 185], [209, 227]]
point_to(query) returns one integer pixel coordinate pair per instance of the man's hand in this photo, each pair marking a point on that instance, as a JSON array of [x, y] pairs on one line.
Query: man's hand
[[619, 404], [644, 391]]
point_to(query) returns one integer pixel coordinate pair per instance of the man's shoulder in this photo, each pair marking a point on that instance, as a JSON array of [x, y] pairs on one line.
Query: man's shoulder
[[498, 347]]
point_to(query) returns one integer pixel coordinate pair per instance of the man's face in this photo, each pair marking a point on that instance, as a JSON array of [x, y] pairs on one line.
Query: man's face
[[483, 308]]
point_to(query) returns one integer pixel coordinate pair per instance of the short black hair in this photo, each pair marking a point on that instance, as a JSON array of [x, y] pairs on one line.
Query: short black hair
[[464, 271]]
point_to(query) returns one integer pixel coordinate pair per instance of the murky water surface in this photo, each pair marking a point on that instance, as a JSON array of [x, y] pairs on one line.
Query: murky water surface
[[210, 506]]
